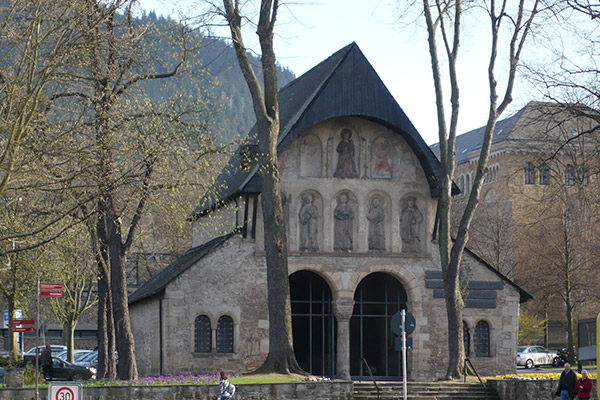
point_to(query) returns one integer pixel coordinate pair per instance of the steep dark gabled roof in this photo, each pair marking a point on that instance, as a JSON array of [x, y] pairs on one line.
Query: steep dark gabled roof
[[345, 84], [473, 140], [158, 282], [523, 294]]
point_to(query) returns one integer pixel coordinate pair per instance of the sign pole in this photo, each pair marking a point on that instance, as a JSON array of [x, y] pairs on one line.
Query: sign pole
[[404, 385], [37, 342]]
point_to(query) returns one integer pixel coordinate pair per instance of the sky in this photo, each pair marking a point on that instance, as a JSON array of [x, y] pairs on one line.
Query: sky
[[395, 43]]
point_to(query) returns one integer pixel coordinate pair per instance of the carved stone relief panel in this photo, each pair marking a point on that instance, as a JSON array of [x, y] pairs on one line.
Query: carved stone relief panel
[[411, 225], [348, 151], [344, 222], [288, 163], [311, 156], [381, 159], [378, 217], [310, 220]]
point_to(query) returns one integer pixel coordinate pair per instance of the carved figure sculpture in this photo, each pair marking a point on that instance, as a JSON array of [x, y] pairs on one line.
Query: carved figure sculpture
[[343, 218], [410, 226], [376, 217], [346, 168], [308, 215]]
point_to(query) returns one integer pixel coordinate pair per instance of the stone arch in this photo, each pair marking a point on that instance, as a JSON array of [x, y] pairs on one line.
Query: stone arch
[[311, 156], [371, 221], [401, 273], [344, 227], [309, 229], [414, 227], [378, 297], [381, 159], [313, 322], [326, 272]]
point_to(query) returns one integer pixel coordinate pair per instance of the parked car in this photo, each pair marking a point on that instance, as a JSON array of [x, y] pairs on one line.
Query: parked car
[[56, 348], [77, 354], [65, 371], [91, 360], [533, 356]]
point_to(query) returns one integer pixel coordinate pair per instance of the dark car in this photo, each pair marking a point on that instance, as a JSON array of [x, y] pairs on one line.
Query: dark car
[[66, 371]]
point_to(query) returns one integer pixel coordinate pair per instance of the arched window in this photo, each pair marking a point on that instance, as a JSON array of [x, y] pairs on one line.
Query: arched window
[[467, 339], [467, 184], [481, 339], [461, 185], [529, 174], [570, 175], [225, 335], [202, 334], [544, 175]]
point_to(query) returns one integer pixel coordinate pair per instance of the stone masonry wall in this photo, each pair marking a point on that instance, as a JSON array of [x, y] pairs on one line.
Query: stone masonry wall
[[528, 390], [280, 391]]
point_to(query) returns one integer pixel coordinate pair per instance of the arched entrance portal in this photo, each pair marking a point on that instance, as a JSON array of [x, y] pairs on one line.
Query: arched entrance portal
[[378, 297], [313, 323]]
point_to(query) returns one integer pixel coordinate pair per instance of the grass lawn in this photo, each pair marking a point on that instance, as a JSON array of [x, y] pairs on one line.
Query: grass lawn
[[266, 378]]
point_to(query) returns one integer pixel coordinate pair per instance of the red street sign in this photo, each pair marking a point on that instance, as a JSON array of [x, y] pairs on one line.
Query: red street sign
[[22, 322], [51, 286], [51, 293], [23, 329]]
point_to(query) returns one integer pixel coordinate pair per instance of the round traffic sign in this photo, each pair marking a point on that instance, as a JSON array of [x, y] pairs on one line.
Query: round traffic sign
[[64, 393], [396, 322]]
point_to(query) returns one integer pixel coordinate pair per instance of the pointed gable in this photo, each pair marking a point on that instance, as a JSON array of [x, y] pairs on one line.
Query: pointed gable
[[345, 84]]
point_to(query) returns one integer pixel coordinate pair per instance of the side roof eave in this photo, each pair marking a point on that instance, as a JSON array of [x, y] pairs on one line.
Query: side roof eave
[[345, 84], [523, 294]]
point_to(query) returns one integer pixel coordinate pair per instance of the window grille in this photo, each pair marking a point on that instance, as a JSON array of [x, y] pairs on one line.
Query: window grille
[[544, 175], [225, 335], [202, 334], [570, 175], [529, 174], [481, 340]]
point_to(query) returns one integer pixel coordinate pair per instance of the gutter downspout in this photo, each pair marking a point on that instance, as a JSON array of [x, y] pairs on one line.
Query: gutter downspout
[[160, 335]]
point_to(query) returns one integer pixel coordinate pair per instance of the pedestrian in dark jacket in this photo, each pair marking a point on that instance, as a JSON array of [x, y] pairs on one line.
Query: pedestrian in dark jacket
[[584, 386], [47, 368], [566, 386]]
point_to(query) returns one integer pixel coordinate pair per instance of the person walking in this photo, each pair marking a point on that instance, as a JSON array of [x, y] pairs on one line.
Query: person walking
[[46, 359], [584, 386], [226, 389], [566, 385]]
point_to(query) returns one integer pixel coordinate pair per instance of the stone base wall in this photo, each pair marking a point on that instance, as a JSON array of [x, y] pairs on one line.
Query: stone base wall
[[341, 390], [527, 390]]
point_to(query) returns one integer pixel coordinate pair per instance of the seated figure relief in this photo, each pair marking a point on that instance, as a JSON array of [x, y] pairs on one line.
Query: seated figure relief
[[346, 166]]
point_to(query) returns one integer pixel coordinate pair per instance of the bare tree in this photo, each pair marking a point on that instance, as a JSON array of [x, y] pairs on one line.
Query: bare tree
[[444, 21], [281, 357]]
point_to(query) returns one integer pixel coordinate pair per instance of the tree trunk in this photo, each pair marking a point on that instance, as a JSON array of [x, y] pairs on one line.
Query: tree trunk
[[281, 356], [106, 337], [126, 369], [69, 330], [13, 350]]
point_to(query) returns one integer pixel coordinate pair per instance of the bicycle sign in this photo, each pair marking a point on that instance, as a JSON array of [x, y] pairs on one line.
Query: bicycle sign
[[64, 391]]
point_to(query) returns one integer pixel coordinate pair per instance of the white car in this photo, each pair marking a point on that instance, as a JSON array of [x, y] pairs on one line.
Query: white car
[[55, 348], [77, 354], [533, 356]]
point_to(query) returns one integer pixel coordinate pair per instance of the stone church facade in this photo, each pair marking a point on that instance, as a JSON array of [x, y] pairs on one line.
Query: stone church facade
[[360, 197]]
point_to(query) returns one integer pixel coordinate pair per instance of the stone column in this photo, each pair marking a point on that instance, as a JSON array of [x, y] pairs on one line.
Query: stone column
[[343, 309]]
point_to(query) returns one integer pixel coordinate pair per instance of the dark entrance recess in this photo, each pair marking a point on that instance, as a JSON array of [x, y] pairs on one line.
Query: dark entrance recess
[[313, 323], [378, 297]]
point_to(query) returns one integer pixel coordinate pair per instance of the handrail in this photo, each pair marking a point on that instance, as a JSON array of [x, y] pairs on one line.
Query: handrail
[[372, 377], [467, 361]]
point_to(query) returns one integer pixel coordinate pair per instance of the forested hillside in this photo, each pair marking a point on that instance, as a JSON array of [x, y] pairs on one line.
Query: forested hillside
[[219, 77]]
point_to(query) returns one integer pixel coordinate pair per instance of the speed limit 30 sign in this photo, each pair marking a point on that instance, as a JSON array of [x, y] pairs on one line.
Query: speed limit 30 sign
[[64, 391]]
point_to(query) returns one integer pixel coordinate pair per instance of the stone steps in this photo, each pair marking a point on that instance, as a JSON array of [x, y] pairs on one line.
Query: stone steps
[[421, 391]]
